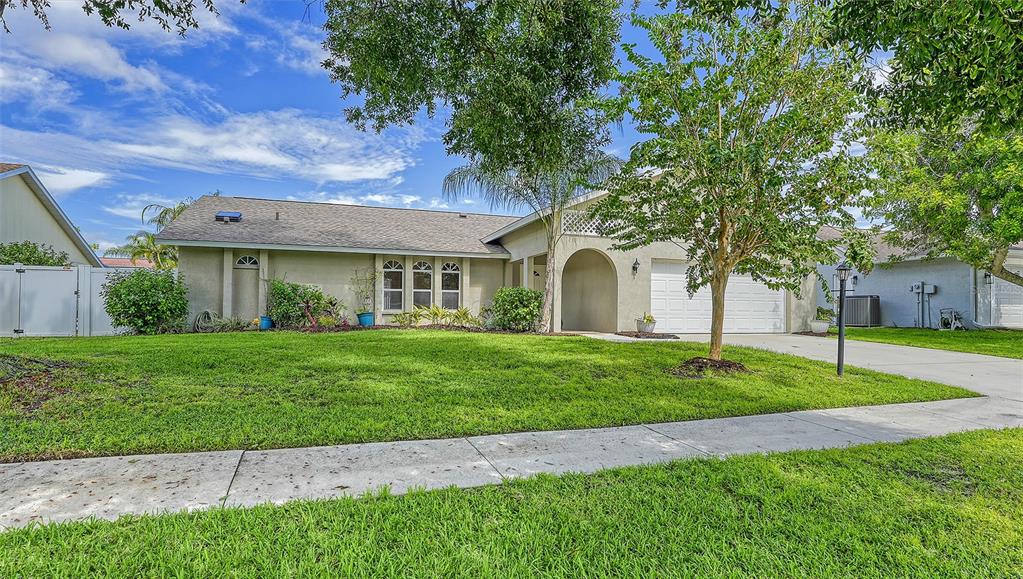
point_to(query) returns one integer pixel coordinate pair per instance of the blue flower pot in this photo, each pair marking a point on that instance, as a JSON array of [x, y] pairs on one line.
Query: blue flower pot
[[366, 319], [265, 323]]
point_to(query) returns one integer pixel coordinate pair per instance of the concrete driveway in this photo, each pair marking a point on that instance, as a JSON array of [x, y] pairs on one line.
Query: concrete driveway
[[988, 375]]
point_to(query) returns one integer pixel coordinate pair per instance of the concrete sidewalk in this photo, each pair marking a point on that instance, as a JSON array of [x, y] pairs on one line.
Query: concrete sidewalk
[[110, 487]]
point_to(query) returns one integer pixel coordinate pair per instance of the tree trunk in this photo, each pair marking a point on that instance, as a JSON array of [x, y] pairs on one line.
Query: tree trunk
[[998, 268], [547, 318], [718, 282]]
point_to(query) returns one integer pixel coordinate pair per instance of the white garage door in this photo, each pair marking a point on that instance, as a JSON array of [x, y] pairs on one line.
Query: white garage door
[[750, 307], [1007, 302]]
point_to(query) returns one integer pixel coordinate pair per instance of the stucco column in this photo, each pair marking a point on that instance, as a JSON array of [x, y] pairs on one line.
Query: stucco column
[[378, 289], [464, 290], [227, 297], [407, 286], [438, 262], [264, 279], [527, 272]]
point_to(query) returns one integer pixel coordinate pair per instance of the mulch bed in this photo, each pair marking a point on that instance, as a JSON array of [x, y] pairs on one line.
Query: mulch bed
[[699, 366], [647, 335], [31, 381]]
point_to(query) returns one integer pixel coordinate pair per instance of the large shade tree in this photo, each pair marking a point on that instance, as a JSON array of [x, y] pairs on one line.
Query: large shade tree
[[506, 73], [951, 193], [546, 194], [749, 124]]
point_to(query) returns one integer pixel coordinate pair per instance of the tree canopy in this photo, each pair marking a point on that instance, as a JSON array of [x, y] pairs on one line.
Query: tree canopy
[[749, 125], [949, 59], [957, 193], [510, 72]]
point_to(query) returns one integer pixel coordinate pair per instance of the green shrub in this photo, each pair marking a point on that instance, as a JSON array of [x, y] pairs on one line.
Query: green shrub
[[435, 314], [463, 317], [289, 303], [517, 309], [408, 319], [146, 301], [29, 253]]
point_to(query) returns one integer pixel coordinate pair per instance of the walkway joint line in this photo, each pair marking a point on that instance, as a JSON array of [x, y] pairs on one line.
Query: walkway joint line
[[486, 458], [223, 501], [670, 437]]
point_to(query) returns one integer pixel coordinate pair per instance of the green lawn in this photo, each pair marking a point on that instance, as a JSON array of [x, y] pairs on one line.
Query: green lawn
[[279, 389], [1005, 343], [950, 506]]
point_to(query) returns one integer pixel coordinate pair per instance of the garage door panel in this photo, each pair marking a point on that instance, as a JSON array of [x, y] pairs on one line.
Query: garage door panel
[[750, 307]]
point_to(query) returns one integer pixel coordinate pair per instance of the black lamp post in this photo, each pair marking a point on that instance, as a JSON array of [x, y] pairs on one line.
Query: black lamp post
[[843, 275]]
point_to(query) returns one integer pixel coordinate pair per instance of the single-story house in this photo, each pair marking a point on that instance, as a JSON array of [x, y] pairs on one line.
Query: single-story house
[[425, 257], [29, 213], [912, 291]]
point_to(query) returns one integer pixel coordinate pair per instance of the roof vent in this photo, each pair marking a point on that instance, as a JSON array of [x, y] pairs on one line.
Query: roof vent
[[463, 215], [228, 216]]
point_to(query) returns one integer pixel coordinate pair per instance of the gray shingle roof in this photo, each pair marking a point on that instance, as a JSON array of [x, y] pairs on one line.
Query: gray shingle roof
[[335, 226]]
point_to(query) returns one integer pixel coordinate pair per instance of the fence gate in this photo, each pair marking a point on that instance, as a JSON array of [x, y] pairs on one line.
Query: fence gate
[[52, 301]]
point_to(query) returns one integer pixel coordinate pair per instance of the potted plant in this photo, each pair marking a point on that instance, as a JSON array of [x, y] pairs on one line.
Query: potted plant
[[364, 283], [645, 324], [265, 322], [821, 323]]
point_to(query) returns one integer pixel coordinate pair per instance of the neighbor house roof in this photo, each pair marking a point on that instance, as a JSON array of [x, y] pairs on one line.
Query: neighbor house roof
[[126, 262], [298, 225], [10, 170], [884, 251]]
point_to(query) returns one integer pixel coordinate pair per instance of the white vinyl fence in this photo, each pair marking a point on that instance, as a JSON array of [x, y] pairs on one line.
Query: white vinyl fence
[[53, 301]]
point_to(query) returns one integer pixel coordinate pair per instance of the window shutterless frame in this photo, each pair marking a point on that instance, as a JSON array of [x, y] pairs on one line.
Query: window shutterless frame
[[450, 286], [394, 285], [422, 284]]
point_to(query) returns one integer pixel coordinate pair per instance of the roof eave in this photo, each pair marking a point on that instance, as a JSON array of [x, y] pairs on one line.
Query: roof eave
[[524, 221], [327, 248], [58, 214]]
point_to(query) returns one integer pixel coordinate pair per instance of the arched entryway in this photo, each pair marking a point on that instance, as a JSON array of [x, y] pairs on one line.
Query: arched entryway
[[589, 293]]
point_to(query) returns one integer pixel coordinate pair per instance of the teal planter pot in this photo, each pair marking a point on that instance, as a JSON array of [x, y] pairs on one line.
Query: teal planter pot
[[265, 323], [366, 319]]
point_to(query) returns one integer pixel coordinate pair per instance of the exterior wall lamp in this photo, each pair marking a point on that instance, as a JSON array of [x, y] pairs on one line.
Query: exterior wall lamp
[[635, 267], [987, 278]]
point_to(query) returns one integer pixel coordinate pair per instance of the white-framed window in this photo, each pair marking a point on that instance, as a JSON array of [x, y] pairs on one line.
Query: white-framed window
[[450, 286], [246, 262], [422, 284], [394, 284]]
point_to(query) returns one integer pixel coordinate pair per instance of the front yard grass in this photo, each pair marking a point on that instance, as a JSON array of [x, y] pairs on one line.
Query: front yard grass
[[941, 507], [1004, 343], [177, 393]]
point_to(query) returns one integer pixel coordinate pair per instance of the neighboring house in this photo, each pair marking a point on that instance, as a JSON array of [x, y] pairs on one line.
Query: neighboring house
[[980, 298], [453, 259], [29, 213], [123, 262]]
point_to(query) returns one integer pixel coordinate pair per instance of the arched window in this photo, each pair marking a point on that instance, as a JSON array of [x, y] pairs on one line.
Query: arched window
[[246, 262], [422, 284], [450, 286], [394, 280]]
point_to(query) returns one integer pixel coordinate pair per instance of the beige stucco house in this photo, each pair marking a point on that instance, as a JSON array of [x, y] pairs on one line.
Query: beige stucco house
[[29, 213], [454, 259]]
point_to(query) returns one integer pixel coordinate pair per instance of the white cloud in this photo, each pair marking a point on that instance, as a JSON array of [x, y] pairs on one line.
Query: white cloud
[[130, 206], [95, 58], [62, 180], [39, 87], [302, 51], [438, 203], [390, 199], [263, 144]]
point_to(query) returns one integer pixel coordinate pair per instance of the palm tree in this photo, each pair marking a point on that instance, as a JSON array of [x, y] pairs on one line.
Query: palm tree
[[161, 215], [143, 245], [546, 194]]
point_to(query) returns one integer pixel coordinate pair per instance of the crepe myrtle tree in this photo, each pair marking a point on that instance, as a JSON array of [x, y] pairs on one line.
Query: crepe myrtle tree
[[950, 193], [546, 194], [748, 155]]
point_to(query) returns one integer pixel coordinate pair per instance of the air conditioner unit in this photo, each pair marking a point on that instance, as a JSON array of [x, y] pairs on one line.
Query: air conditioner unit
[[863, 311]]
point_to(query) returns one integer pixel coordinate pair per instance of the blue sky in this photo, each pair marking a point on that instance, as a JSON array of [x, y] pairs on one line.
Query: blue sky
[[113, 120]]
